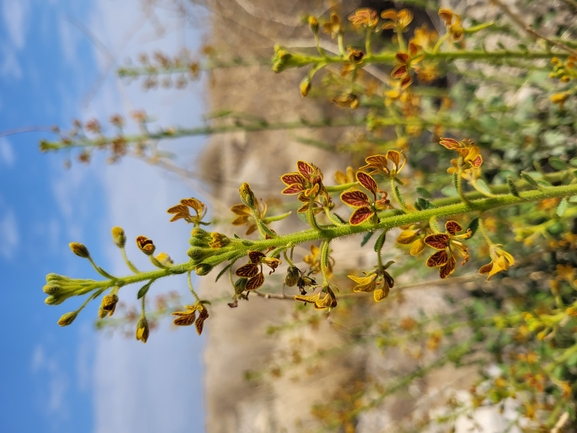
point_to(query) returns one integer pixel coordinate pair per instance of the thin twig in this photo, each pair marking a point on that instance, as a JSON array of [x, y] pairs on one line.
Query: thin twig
[[531, 31], [562, 421]]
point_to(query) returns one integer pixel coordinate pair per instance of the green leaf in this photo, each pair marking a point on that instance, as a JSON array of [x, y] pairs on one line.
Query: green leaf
[[557, 163], [449, 191], [366, 238], [512, 187], [562, 207], [434, 224], [226, 268], [400, 196], [529, 179], [573, 199], [483, 187], [424, 204], [423, 192], [144, 289], [573, 162], [380, 241], [543, 183], [473, 226]]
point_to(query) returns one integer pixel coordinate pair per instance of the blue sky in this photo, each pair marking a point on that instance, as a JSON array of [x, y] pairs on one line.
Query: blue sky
[[74, 379]]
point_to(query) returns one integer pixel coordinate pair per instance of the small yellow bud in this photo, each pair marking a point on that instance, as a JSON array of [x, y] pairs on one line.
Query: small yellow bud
[[203, 269], [79, 249], [165, 259], [246, 195], [54, 300], [118, 236], [292, 276], [142, 330], [51, 289], [108, 305], [305, 86], [67, 318], [145, 245], [313, 24]]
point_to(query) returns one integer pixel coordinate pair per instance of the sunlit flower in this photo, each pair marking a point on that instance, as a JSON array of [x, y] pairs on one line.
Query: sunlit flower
[[182, 211], [356, 56], [365, 208], [377, 282], [415, 238], [470, 154], [398, 21], [453, 23], [424, 37], [347, 177], [253, 270], [448, 245], [334, 26], [188, 317], [388, 165], [405, 62], [500, 261], [365, 17], [314, 261], [245, 215], [308, 180], [322, 300], [347, 100]]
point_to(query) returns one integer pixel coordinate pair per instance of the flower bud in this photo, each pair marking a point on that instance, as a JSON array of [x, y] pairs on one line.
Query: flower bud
[[51, 289], [54, 300], [142, 330], [199, 254], [203, 269], [108, 305], [118, 236], [218, 240], [305, 86], [240, 285], [67, 318], [246, 195], [313, 24], [145, 245], [79, 249], [292, 276], [164, 259]]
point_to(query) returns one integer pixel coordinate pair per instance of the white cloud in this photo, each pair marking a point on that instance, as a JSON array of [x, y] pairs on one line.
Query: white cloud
[[6, 152], [58, 383], [15, 14], [10, 67], [69, 40], [8, 234]]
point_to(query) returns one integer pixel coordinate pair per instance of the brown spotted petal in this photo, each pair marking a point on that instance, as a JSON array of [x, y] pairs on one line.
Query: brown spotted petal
[[400, 71], [145, 245], [185, 318], [248, 271], [438, 241], [440, 258], [402, 58], [199, 323], [368, 182], [453, 227], [255, 282], [450, 143], [305, 169], [448, 268], [295, 183], [360, 215], [355, 198], [179, 211], [255, 256]]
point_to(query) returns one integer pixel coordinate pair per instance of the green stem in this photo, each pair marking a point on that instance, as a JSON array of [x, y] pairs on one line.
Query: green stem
[[99, 269], [311, 215], [396, 195], [128, 262], [189, 280], [325, 261]]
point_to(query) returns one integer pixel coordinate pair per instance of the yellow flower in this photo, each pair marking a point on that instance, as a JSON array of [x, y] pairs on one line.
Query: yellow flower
[[398, 21], [388, 165], [322, 300], [314, 261], [334, 27], [245, 215], [414, 237], [448, 245], [365, 17], [142, 330], [379, 282], [182, 211], [500, 261]]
